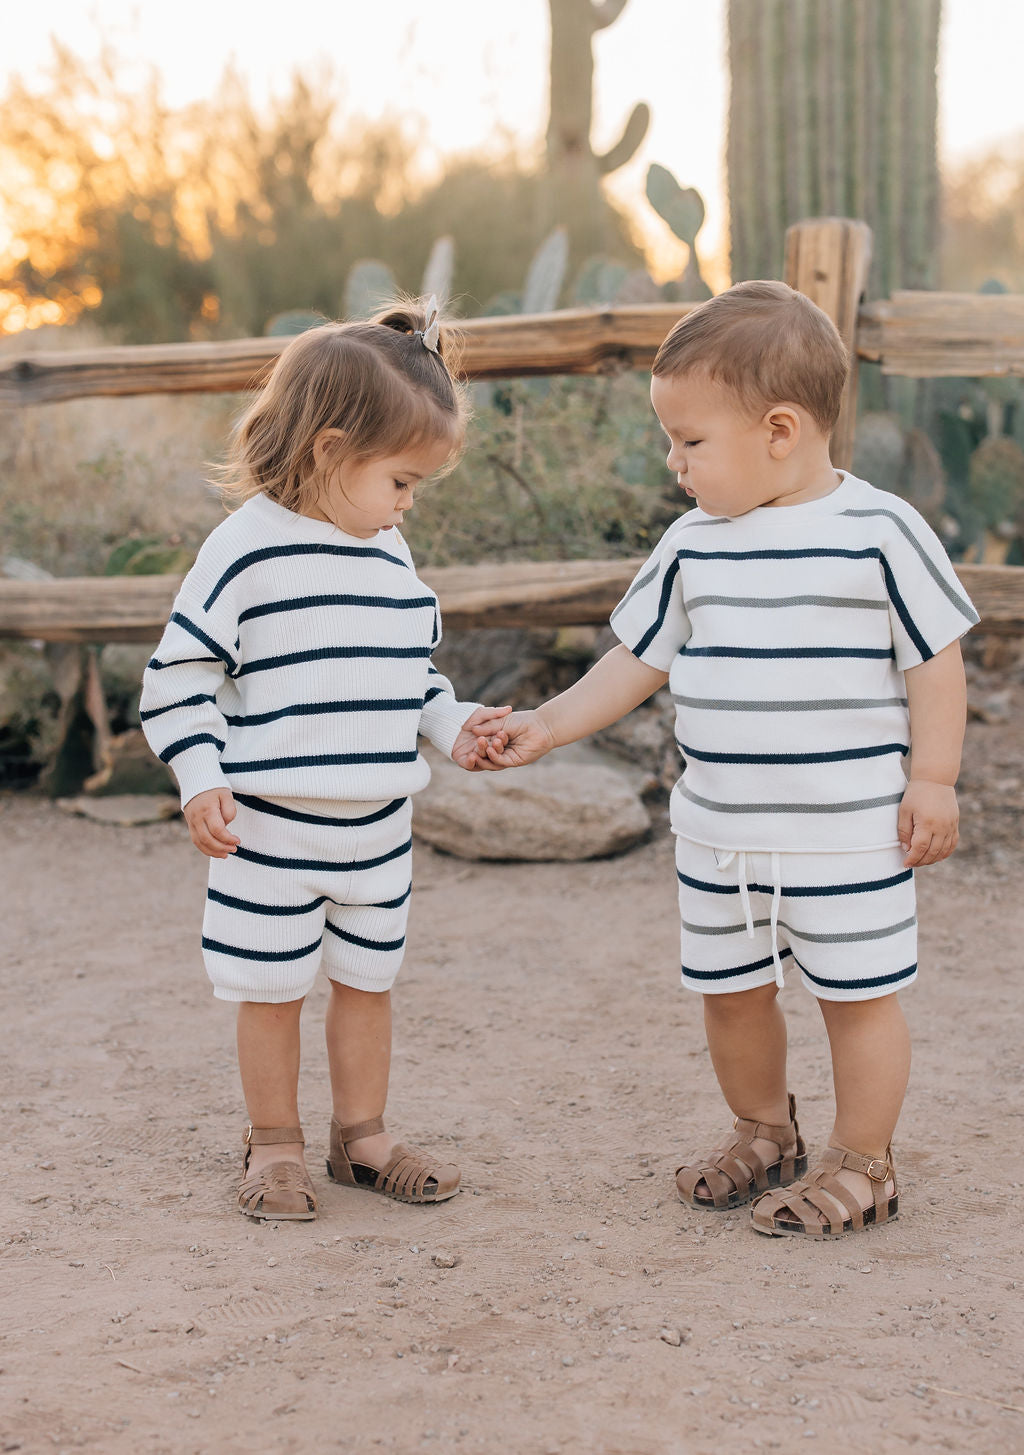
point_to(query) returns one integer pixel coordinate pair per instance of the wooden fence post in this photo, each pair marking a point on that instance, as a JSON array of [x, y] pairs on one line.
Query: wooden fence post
[[827, 258]]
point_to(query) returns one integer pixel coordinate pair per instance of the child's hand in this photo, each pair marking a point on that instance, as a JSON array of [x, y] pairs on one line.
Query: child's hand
[[524, 737], [483, 726], [928, 822], [208, 816]]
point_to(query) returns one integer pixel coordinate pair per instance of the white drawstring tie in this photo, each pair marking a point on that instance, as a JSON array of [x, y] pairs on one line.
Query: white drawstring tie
[[740, 855]]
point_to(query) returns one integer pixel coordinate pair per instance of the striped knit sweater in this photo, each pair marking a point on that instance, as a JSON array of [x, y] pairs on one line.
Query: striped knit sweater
[[786, 633], [297, 663]]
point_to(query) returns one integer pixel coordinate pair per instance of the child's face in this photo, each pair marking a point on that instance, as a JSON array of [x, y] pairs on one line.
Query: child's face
[[718, 452], [363, 497]]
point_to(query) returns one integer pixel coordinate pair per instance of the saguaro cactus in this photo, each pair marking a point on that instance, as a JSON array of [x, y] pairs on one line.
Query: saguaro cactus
[[832, 112], [573, 194]]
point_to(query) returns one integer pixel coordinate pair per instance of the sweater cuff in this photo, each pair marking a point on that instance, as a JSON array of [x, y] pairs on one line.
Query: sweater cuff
[[442, 719], [198, 769]]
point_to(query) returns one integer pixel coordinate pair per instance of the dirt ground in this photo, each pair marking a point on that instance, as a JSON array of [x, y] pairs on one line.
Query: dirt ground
[[544, 1043]]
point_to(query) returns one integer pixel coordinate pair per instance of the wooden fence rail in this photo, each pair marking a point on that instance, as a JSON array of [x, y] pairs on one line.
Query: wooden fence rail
[[916, 334]]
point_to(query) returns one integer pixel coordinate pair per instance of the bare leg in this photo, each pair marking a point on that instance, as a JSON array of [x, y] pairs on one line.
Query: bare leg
[[268, 1059], [747, 1040], [358, 1027], [870, 1046]]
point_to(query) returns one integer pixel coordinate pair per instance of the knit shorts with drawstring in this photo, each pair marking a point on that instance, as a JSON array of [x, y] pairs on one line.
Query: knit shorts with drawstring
[[846, 921]]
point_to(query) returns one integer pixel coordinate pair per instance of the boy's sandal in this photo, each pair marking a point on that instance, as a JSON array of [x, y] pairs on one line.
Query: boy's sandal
[[734, 1173], [281, 1190], [794, 1211], [409, 1176]]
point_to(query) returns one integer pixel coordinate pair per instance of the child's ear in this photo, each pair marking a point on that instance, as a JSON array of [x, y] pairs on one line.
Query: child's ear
[[782, 423], [326, 447]]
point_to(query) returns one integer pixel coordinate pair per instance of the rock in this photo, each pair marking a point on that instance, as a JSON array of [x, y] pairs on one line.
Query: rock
[[554, 809], [124, 809], [128, 765], [675, 1337], [445, 1260]]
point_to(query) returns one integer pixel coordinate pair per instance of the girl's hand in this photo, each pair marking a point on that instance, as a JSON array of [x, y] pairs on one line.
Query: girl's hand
[[928, 822], [483, 726], [208, 816], [524, 737]]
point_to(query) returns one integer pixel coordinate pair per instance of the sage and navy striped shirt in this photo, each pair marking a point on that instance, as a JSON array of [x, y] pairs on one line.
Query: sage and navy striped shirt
[[786, 633], [297, 663]]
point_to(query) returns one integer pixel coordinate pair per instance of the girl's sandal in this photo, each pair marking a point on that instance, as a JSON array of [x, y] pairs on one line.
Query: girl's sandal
[[409, 1176], [794, 1211], [734, 1173], [280, 1191]]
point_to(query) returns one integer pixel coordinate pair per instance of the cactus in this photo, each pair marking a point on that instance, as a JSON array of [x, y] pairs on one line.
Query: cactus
[[437, 275], [369, 285], [574, 170], [291, 321], [546, 273], [683, 209], [832, 111]]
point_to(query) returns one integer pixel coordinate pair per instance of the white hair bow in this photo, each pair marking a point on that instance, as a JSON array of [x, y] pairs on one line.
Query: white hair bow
[[431, 330]]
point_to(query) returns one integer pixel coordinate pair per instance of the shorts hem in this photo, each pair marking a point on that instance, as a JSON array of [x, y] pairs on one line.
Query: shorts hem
[[354, 981], [839, 995], [253, 996]]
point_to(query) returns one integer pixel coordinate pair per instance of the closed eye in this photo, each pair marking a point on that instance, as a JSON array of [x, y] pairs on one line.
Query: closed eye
[[688, 443]]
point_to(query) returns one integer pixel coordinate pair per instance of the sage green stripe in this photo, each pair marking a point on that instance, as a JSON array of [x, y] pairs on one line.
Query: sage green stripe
[[960, 602], [638, 585], [856, 602], [819, 704], [847, 937], [855, 806]]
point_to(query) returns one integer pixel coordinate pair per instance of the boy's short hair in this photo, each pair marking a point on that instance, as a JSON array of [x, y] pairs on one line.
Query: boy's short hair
[[766, 343]]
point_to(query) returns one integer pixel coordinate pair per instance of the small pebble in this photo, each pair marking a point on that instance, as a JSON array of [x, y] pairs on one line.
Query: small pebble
[[48, 1166], [271, 1262], [347, 1313], [671, 1336], [77, 1263], [445, 1260], [568, 1360], [865, 1269]]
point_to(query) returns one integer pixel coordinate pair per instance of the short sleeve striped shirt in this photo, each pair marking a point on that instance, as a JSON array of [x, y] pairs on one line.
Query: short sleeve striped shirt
[[786, 633]]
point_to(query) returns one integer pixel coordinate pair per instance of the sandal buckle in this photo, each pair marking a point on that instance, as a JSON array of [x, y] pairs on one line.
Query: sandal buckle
[[247, 1139], [877, 1176]]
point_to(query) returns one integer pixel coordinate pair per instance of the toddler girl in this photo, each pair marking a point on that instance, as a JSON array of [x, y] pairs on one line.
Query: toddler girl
[[287, 694]]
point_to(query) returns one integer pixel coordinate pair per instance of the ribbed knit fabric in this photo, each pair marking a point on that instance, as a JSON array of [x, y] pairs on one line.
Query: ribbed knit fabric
[[297, 663], [786, 633]]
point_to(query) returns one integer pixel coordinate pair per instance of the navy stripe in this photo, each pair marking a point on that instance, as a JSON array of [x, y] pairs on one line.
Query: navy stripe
[[242, 954], [903, 612], [324, 654], [794, 555], [260, 805], [194, 631], [960, 602], [171, 706], [739, 969], [251, 907], [269, 553], [173, 749], [841, 756], [822, 891], [433, 692], [322, 864], [314, 709], [783, 652], [316, 760], [303, 603], [392, 903], [155, 665], [365, 944], [659, 621], [868, 982]]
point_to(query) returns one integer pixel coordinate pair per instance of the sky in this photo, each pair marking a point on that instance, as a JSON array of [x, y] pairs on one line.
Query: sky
[[463, 72]]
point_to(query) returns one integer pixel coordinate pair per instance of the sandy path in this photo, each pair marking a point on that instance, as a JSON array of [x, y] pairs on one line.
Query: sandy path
[[543, 1040]]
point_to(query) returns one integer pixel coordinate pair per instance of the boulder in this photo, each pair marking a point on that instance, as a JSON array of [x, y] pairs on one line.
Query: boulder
[[554, 809]]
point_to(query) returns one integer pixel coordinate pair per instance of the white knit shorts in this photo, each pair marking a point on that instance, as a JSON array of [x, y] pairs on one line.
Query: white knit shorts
[[305, 887], [846, 921]]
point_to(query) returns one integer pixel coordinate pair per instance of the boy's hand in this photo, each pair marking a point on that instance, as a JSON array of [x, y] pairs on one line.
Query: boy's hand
[[480, 728], [524, 737], [928, 822], [208, 816]]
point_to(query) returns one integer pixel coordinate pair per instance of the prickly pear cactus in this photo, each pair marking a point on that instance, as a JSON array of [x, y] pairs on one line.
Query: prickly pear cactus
[[683, 209], [370, 285]]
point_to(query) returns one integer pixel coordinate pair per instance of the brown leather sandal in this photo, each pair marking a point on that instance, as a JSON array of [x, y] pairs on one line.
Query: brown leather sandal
[[280, 1191], [409, 1176], [734, 1173], [793, 1211]]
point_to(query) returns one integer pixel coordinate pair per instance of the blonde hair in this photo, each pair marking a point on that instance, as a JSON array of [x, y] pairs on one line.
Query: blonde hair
[[767, 344], [377, 383]]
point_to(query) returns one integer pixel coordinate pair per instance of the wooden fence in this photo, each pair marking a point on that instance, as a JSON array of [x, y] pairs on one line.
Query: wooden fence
[[918, 335]]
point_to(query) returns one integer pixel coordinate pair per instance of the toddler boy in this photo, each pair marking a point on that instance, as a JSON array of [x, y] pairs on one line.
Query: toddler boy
[[808, 626]]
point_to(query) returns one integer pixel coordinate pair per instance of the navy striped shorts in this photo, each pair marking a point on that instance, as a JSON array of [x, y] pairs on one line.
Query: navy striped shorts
[[306, 887], [846, 921]]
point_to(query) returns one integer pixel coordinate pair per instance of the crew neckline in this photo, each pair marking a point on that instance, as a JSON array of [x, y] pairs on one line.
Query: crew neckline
[[310, 527], [833, 503]]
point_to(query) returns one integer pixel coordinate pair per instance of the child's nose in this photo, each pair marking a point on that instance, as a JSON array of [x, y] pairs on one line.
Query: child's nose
[[676, 462]]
